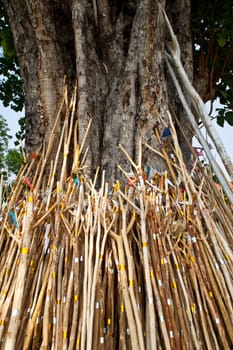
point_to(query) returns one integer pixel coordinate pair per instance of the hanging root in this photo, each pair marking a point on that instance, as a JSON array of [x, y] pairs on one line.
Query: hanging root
[[173, 57]]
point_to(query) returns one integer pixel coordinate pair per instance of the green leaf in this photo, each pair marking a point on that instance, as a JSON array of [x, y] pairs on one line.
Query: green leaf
[[229, 118], [11, 90], [223, 93], [222, 41], [14, 160], [220, 120]]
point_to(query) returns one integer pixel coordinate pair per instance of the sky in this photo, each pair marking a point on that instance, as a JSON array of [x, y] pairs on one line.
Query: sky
[[226, 133], [12, 120]]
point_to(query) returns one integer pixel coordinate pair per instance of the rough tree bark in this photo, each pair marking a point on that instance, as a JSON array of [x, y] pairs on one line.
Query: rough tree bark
[[115, 49]]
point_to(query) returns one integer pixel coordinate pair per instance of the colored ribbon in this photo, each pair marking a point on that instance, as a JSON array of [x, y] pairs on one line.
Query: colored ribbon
[[13, 218]]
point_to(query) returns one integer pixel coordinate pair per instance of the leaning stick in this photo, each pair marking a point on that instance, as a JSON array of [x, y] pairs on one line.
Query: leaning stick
[[207, 282], [67, 306], [14, 322], [85, 136], [128, 157], [75, 326], [85, 285], [92, 271], [189, 318], [54, 167], [50, 144], [47, 319], [6, 308], [68, 134], [125, 293], [131, 277], [149, 294], [27, 340]]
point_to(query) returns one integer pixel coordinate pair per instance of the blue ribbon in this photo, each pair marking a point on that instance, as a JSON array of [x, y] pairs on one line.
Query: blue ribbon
[[76, 181], [13, 218], [166, 133]]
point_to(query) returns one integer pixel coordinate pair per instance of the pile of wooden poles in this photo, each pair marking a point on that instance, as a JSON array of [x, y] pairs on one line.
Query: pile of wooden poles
[[147, 264]]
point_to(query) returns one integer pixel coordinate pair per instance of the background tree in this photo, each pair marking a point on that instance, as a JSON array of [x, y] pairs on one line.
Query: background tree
[[10, 159], [4, 139], [212, 34], [13, 160], [11, 92], [116, 51]]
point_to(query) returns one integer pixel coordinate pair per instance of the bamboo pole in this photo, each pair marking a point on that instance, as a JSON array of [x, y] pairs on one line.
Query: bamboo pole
[[131, 278], [14, 322], [149, 295]]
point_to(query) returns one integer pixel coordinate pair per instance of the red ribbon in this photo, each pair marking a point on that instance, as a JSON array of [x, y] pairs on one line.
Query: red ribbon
[[27, 182]]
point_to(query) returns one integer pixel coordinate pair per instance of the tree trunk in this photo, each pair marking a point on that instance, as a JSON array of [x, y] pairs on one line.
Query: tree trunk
[[115, 50]]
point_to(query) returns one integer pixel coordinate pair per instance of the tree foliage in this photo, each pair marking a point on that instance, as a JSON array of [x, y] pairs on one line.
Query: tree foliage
[[11, 92], [20, 135], [212, 29], [10, 159], [13, 160]]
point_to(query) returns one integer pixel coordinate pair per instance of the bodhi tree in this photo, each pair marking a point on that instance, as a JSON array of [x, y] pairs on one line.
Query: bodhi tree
[[125, 59]]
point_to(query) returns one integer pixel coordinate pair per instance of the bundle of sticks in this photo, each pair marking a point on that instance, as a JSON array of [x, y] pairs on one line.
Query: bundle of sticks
[[143, 265]]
